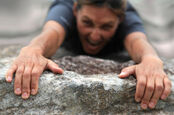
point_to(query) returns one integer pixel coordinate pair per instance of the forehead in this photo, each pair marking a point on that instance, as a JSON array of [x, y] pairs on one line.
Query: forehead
[[99, 14]]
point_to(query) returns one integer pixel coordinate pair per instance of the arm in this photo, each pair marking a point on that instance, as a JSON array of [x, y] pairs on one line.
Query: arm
[[138, 47], [152, 81], [32, 60], [49, 40], [59, 21]]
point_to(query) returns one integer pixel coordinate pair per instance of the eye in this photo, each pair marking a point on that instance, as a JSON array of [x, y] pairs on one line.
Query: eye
[[87, 23], [107, 27]]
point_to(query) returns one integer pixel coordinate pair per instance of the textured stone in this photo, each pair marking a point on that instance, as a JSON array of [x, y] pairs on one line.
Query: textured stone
[[91, 89]]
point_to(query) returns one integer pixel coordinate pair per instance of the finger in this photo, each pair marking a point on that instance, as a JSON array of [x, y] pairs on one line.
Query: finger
[[36, 72], [157, 92], [54, 67], [167, 88], [10, 73], [18, 80], [26, 82], [127, 71], [140, 87], [148, 92]]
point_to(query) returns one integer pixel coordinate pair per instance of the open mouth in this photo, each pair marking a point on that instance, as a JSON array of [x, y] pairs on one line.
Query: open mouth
[[92, 43]]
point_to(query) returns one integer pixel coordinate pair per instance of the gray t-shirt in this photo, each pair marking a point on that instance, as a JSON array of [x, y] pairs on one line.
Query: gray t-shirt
[[61, 12]]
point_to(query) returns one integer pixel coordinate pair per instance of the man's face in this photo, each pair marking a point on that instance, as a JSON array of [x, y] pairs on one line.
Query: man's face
[[96, 26]]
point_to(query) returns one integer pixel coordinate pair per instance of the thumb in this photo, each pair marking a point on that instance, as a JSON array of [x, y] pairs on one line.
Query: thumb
[[127, 71], [54, 67]]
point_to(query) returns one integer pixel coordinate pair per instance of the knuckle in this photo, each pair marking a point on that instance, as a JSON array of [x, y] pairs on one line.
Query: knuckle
[[27, 74], [169, 83], [41, 65], [139, 95], [150, 88], [165, 75], [10, 71], [35, 73], [17, 86], [154, 99], [20, 71], [29, 62], [145, 100], [17, 82], [125, 69], [13, 66], [33, 85], [25, 89], [142, 83], [167, 91], [159, 87]]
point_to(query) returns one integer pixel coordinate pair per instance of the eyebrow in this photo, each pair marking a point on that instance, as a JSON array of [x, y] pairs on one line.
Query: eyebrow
[[85, 17], [107, 23]]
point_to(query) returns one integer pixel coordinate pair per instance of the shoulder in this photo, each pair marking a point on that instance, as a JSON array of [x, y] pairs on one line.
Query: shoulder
[[65, 2]]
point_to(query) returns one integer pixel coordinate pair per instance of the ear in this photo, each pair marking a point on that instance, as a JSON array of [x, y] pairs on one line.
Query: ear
[[75, 9]]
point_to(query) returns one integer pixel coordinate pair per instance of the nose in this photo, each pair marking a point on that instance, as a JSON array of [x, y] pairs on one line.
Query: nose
[[95, 35]]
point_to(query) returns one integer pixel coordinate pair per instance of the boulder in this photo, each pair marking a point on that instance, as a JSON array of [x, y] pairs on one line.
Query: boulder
[[88, 86]]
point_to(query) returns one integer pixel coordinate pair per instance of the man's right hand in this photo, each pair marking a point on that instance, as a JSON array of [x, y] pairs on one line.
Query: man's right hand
[[28, 67]]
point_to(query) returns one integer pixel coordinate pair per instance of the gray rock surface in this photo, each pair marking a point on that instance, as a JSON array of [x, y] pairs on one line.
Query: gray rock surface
[[88, 86]]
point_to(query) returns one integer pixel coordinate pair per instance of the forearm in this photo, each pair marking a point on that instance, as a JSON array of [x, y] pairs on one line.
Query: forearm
[[49, 40], [138, 47]]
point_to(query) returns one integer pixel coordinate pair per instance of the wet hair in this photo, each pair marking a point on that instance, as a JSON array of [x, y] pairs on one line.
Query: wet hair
[[116, 6]]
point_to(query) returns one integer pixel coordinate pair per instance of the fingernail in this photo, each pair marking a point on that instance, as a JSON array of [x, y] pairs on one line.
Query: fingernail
[[9, 79], [60, 69], [163, 96], [151, 104], [25, 95], [18, 90], [138, 100], [144, 106], [33, 91], [122, 73]]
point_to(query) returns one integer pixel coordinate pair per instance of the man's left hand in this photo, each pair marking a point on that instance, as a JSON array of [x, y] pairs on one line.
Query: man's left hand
[[152, 82]]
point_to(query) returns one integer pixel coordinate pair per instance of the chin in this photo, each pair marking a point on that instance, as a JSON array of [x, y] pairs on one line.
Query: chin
[[90, 52]]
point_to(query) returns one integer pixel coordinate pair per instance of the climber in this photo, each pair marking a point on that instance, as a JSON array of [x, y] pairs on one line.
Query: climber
[[96, 27]]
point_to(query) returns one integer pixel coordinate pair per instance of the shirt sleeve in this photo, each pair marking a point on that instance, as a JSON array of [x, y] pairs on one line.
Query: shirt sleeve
[[61, 12], [132, 21]]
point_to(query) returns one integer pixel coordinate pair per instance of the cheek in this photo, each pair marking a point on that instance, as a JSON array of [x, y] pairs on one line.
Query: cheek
[[82, 29], [108, 34], [112, 32]]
